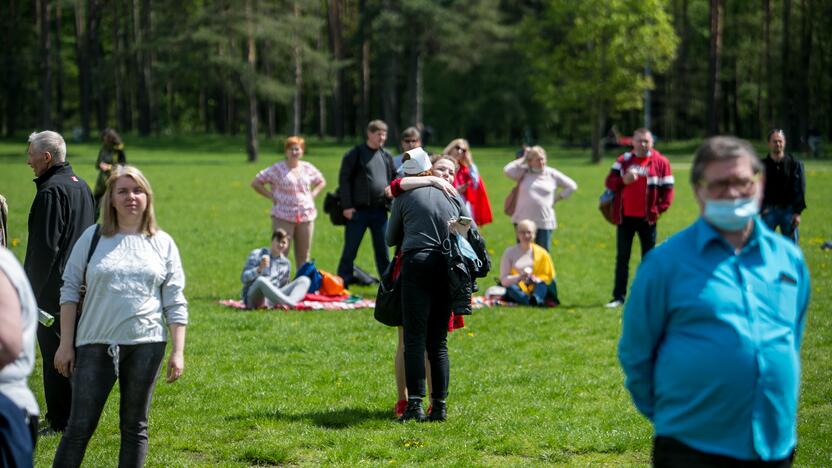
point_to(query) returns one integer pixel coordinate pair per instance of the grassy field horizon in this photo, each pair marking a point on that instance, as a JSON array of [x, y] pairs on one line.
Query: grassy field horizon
[[528, 386]]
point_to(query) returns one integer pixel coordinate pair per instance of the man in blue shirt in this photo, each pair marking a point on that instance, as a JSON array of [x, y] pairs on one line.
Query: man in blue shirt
[[711, 336]]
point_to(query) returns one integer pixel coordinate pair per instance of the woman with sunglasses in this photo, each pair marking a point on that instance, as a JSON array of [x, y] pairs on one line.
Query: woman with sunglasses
[[469, 183]]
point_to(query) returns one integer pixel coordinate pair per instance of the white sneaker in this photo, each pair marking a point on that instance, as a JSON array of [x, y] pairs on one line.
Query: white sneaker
[[614, 304]]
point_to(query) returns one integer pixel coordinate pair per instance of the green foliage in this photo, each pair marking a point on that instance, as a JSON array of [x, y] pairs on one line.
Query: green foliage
[[528, 386], [592, 54]]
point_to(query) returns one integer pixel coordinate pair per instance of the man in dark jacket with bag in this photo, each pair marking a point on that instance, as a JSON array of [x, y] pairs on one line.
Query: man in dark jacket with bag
[[62, 209], [366, 173]]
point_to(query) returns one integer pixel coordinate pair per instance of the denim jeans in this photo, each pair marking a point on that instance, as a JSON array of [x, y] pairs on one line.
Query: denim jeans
[[670, 453], [781, 217], [92, 380], [625, 232], [363, 218], [426, 309], [537, 297], [543, 238]]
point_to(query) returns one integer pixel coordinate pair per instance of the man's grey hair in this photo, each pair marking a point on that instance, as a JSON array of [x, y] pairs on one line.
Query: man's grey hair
[[50, 141], [722, 148]]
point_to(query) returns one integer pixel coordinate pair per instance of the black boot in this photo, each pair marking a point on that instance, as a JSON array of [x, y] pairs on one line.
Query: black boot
[[414, 411], [438, 410]]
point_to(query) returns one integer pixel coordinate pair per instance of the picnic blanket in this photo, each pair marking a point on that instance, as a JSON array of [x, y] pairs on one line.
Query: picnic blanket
[[478, 302], [314, 302], [346, 302]]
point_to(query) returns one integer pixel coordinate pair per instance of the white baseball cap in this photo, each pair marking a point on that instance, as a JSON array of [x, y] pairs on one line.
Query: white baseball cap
[[415, 161]]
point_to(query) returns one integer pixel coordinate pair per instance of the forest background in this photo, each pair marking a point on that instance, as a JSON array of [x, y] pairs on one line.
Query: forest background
[[493, 71]]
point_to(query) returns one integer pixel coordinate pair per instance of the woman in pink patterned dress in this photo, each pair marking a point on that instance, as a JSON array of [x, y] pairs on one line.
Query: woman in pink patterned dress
[[292, 186]]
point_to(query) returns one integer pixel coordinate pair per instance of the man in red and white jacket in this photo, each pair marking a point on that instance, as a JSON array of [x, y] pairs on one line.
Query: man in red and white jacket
[[642, 182]]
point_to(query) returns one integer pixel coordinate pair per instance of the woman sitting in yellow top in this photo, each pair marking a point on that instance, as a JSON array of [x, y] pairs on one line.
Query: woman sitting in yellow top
[[527, 271]]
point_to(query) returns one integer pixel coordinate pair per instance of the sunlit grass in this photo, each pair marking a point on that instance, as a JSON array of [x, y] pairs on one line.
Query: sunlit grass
[[528, 386]]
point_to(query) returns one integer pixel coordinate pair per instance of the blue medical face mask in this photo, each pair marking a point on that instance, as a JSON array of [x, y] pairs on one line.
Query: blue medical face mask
[[731, 215], [467, 251]]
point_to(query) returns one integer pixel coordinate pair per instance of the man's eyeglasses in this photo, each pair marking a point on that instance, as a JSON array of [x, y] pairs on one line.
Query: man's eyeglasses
[[719, 187]]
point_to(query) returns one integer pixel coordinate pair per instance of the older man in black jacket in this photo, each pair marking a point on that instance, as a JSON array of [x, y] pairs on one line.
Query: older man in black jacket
[[63, 207]]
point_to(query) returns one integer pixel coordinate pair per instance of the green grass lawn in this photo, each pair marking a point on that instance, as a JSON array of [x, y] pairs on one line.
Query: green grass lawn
[[528, 386]]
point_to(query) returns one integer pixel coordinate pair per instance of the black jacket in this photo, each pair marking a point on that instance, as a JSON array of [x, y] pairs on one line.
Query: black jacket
[[785, 183], [61, 211], [364, 174]]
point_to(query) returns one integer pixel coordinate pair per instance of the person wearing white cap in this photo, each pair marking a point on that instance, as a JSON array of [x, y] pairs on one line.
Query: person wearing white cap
[[419, 224]]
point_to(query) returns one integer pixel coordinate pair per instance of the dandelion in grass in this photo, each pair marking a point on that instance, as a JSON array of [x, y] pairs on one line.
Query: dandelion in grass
[[15, 242]]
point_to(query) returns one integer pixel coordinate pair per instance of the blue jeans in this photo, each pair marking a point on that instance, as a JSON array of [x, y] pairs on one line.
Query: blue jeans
[[363, 218], [538, 296], [775, 216], [92, 380], [543, 238], [625, 232]]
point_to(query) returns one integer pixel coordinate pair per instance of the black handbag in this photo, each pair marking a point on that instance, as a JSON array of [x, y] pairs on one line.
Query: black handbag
[[333, 207], [388, 308]]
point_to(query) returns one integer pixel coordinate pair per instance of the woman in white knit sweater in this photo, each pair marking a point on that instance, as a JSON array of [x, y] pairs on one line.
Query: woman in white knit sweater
[[541, 186], [134, 284]]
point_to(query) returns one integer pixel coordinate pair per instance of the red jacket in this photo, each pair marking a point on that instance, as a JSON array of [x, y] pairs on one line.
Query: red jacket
[[659, 185]]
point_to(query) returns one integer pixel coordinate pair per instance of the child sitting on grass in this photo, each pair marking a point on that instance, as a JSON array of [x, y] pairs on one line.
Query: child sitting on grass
[[265, 276]]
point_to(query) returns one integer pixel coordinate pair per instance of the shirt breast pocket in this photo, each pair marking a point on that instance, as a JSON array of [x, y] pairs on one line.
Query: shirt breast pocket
[[782, 302]]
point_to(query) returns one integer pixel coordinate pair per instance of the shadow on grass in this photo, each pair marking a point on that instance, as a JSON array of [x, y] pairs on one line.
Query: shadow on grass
[[336, 419]]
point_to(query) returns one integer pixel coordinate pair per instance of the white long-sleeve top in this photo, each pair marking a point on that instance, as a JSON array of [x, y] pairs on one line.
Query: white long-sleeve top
[[133, 281], [538, 193], [13, 377]]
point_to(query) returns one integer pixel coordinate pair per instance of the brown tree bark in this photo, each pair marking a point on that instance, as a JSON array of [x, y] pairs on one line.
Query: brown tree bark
[[45, 64], [141, 35], [297, 99], [59, 70], [804, 110], [415, 80], [364, 71], [336, 46], [714, 97], [85, 97], [98, 92], [118, 74], [251, 59], [786, 72]]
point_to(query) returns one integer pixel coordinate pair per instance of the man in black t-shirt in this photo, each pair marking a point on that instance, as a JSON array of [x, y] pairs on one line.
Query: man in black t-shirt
[[785, 187], [364, 179]]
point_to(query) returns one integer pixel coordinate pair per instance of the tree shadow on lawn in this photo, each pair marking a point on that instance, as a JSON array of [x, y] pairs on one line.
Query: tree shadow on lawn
[[336, 419]]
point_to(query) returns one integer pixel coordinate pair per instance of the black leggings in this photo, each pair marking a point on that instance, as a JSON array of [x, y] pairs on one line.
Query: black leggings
[[92, 380], [426, 309]]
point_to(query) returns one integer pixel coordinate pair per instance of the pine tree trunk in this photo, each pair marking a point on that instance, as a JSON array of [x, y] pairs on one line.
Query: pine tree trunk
[[98, 93], [337, 48], [714, 92], [806, 45], [59, 71], [296, 101], [83, 68], [141, 28], [785, 120], [45, 65], [251, 59], [415, 81], [118, 73]]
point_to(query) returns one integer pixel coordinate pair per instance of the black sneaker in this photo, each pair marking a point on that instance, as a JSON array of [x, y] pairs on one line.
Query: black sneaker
[[413, 412], [438, 411]]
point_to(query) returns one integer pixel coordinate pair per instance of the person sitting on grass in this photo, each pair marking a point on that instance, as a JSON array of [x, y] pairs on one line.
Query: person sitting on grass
[[265, 276], [527, 271]]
